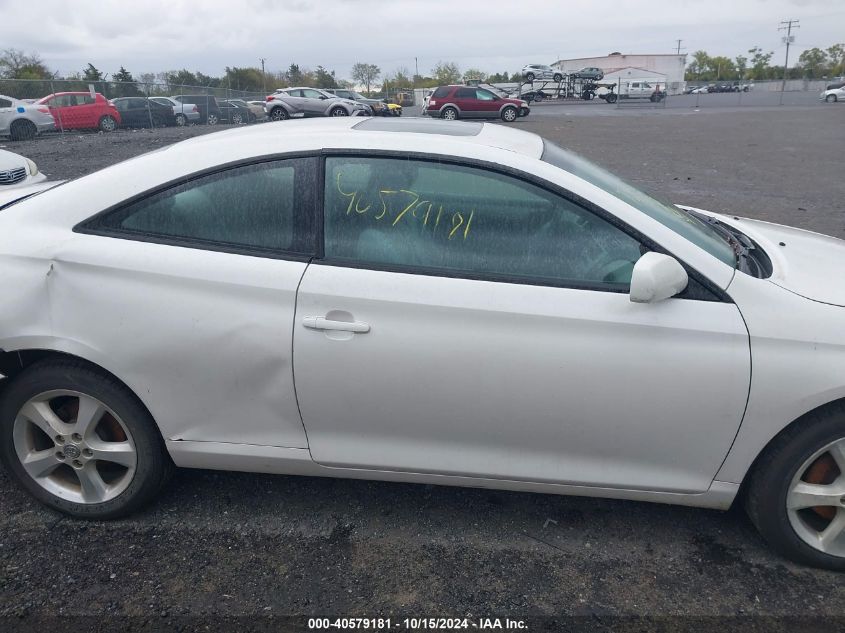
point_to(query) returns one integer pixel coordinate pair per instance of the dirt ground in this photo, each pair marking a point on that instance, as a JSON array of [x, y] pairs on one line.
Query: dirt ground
[[219, 545]]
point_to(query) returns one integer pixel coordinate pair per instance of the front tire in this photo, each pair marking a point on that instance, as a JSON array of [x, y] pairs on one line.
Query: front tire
[[237, 119], [22, 130], [181, 121], [558, 77], [796, 492], [509, 114], [530, 77], [107, 124], [338, 111], [212, 119], [830, 98], [80, 442]]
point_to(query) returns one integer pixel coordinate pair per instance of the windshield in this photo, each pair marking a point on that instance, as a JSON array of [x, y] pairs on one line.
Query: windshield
[[683, 223]]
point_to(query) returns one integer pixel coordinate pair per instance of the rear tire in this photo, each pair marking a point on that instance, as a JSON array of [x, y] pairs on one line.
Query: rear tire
[[808, 456], [279, 114], [118, 462], [450, 114], [212, 119], [558, 77], [107, 124], [22, 130], [181, 121], [237, 119], [612, 97], [530, 77]]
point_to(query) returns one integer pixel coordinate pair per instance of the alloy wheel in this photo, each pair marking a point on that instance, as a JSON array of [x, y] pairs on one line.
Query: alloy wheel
[[815, 501], [74, 447]]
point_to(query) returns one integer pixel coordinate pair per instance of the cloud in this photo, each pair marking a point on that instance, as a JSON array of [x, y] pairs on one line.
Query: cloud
[[161, 35]]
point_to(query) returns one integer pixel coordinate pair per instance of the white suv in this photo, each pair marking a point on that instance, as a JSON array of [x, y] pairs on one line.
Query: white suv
[[541, 71]]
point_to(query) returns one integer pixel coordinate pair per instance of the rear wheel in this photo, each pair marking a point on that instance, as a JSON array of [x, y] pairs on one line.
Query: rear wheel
[[22, 130], [612, 97], [558, 77], [509, 114], [279, 114], [212, 119], [107, 124], [530, 77], [80, 442], [181, 121], [796, 493], [450, 114], [237, 118]]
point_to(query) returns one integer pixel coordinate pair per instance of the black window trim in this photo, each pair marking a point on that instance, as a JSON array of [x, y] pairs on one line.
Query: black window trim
[[309, 211], [700, 287]]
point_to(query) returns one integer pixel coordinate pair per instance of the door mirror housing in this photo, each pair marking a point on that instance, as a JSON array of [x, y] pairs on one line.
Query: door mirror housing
[[657, 277]]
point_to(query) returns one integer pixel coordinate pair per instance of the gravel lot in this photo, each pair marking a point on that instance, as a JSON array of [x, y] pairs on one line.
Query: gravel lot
[[219, 545]]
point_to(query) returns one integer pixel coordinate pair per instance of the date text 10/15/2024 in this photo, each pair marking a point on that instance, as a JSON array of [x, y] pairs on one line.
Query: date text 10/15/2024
[[416, 624]]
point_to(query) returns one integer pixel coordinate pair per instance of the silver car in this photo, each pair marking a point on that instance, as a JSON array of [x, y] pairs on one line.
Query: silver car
[[185, 112], [541, 71], [21, 121], [302, 101]]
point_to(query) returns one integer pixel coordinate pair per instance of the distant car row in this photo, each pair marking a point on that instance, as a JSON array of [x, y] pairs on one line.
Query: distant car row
[[733, 87], [22, 120]]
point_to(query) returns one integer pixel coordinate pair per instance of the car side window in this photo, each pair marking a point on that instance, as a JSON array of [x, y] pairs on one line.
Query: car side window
[[264, 206], [484, 95], [441, 92], [5, 103], [311, 94], [464, 93], [432, 216]]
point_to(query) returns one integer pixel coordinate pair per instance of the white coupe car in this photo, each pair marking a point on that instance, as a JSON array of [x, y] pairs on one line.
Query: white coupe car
[[425, 301]]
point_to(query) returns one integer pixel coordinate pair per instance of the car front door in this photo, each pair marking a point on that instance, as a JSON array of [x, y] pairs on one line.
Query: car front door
[[487, 103], [315, 102], [465, 322]]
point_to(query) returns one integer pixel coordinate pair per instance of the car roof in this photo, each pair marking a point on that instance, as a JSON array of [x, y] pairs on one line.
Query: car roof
[[319, 133]]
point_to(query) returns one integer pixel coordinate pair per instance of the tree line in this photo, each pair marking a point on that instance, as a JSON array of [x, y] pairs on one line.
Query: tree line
[[813, 63]]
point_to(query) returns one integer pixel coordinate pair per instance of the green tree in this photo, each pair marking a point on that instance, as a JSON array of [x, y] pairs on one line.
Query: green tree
[[92, 73], [741, 65], [365, 74], [294, 75], [15, 64], [836, 53], [721, 67], [760, 63], [699, 65], [446, 73], [474, 74], [814, 62], [246, 79], [324, 78], [125, 85], [182, 77]]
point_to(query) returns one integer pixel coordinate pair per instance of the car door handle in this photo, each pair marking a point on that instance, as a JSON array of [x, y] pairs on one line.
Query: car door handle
[[322, 323]]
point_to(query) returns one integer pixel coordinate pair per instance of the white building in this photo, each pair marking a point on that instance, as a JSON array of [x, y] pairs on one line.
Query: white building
[[666, 69]]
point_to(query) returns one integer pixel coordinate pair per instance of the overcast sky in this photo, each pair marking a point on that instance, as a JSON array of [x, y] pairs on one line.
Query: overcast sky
[[207, 35]]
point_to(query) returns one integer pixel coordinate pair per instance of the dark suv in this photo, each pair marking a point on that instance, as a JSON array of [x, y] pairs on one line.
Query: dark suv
[[472, 102], [210, 112]]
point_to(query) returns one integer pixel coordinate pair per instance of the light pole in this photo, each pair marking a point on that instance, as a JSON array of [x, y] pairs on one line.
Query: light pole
[[263, 76]]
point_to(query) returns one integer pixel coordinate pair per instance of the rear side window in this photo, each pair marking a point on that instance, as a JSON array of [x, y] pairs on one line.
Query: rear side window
[[265, 206], [465, 93], [441, 92]]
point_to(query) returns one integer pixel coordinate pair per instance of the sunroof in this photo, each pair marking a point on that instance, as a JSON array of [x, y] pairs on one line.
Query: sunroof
[[420, 126]]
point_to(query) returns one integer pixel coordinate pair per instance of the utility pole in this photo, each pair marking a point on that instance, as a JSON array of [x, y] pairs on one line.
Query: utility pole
[[263, 76], [416, 71], [787, 25], [679, 46]]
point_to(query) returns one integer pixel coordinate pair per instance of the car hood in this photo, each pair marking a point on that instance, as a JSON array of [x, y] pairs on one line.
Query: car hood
[[803, 262]]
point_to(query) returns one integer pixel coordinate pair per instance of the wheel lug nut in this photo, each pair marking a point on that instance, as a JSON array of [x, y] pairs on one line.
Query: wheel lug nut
[[59, 439], [76, 437]]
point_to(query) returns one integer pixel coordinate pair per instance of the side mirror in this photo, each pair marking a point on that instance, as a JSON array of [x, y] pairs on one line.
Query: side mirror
[[324, 97], [657, 277]]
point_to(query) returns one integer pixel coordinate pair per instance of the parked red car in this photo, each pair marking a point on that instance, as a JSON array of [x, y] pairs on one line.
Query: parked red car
[[471, 102], [81, 111]]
